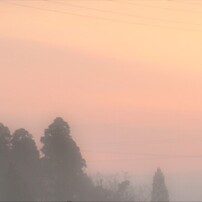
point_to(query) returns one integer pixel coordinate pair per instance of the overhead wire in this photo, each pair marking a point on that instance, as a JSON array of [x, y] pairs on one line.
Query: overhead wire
[[124, 14], [113, 20], [144, 154], [99, 18], [157, 7]]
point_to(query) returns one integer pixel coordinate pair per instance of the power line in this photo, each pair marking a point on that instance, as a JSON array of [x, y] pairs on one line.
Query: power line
[[100, 18], [48, 0], [189, 3], [124, 14], [111, 0], [70, 13], [158, 7], [143, 154]]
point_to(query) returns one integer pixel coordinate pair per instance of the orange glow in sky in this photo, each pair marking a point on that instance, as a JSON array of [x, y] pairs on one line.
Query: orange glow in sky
[[130, 87]]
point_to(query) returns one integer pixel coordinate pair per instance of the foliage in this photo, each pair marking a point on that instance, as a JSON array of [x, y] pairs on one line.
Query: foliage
[[159, 189]]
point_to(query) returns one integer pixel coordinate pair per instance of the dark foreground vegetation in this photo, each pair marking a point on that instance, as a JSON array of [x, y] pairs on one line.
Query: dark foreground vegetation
[[58, 173]]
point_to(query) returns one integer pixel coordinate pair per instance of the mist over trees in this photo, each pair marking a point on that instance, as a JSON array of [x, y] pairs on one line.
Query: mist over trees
[[62, 164], [58, 172], [159, 189]]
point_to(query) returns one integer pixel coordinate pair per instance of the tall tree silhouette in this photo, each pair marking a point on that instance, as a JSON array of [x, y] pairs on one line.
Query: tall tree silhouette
[[159, 189], [5, 137], [62, 163], [25, 158]]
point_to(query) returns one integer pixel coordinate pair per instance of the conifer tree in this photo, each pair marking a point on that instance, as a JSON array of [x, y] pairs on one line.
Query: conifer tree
[[159, 189], [62, 164], [5, 138], [25, 158]]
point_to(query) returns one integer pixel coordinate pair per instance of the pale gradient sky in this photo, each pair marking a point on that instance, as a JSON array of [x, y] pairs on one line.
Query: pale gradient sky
[[131, 93]]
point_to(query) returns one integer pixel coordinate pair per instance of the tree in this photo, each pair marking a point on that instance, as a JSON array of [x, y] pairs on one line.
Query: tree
[[113, 188], [5, 137], [15, 188], [62, 164], [25, 158], [159, 189]]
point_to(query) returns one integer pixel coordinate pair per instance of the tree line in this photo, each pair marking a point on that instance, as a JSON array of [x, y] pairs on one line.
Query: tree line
[[57, 171]]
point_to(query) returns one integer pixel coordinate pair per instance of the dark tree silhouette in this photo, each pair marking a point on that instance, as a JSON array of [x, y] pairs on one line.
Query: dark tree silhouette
[[25, 158], [122, 190], [59, 175], [108, 188], [159, 189], [101, 194], [15, 188], [62, 163], [5, 137]]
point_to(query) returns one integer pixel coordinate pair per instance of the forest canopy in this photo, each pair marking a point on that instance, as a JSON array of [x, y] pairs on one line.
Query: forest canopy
[[58, 174]]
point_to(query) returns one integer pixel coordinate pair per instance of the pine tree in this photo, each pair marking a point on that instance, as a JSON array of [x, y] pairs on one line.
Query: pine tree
[[5, 137], [159, 189], [25, 158], [62, 163]]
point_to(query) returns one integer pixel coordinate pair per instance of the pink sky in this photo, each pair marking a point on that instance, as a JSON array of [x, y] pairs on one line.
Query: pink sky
[[131, 93]]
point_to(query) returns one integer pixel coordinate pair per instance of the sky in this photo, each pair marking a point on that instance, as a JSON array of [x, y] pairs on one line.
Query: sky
[[126, 75]]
